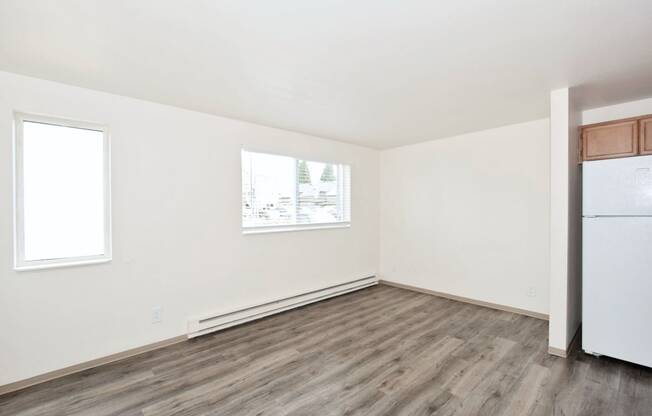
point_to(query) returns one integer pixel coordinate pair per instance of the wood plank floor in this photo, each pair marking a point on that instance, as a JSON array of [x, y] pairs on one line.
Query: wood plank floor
[[380, 351]]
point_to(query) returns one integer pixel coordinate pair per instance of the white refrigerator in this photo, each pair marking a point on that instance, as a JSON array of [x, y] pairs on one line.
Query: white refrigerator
[[617, 259]]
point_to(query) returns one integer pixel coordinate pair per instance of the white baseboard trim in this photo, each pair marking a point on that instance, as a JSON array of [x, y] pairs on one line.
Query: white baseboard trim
[[51, 375], [559, 352], [211, 322], [497, 306], [237, 317]]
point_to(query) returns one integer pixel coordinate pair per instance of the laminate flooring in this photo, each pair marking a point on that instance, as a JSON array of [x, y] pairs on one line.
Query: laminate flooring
[[379, 351]]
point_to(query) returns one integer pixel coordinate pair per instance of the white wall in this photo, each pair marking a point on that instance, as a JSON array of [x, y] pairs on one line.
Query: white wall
[[574, 300], [469, 215], [565, 220], [618, 111], [176, 231]]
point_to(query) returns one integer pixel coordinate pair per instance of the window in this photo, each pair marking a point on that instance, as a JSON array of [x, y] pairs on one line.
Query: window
[[62, 193], [280, 192]]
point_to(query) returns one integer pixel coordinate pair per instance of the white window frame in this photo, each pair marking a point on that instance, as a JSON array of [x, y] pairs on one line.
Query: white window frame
[[19, 236], [265, 229]]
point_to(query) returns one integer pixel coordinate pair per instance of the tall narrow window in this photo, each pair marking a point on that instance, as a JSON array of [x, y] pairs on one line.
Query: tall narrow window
[[281, 192], [62, 193]]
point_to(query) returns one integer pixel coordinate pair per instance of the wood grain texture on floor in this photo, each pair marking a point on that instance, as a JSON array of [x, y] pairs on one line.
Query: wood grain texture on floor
[[379, 351]]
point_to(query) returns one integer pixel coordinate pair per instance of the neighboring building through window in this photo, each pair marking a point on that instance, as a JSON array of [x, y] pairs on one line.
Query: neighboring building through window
[[280, 192], [62, 192]]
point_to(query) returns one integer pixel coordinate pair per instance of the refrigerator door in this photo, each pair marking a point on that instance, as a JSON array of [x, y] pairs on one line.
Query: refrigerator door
[[617, 288], [617, 186]]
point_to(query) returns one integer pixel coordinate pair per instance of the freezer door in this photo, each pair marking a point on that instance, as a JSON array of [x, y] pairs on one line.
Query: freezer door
[[617, 186], [617, 288]]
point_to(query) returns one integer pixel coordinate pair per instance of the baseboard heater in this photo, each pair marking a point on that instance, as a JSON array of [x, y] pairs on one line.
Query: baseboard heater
[[208, 323]]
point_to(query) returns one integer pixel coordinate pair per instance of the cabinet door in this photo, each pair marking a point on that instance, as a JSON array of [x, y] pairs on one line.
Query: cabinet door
[[611, 140], [645, 132]]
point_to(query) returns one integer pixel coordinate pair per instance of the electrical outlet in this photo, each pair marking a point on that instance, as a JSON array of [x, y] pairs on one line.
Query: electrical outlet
[[532, 292], [156, 315]]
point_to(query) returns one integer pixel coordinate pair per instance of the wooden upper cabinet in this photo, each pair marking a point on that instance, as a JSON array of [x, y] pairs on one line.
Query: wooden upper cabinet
[[645, 133], [610, 140]]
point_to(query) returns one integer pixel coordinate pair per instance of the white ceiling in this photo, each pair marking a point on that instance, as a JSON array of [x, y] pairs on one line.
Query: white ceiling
[[374, 72]]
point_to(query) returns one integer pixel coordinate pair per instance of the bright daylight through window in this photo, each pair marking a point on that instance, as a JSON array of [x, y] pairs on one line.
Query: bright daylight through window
[[62, 193], [280, 192]]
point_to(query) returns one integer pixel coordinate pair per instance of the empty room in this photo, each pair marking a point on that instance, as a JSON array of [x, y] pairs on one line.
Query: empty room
[[328, 208]]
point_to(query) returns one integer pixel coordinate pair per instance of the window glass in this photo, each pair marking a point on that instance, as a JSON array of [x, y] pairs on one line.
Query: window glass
[[62, 193], [284, 191]]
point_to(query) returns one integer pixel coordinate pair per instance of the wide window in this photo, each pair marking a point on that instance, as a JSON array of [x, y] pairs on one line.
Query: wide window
[[281, 192], [62, 193]]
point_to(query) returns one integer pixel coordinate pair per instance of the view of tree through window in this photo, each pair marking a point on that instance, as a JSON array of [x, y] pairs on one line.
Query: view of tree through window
[[282, 191]]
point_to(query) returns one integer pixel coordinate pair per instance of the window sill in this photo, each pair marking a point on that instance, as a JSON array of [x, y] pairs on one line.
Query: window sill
[[56, 265], [291, 228]]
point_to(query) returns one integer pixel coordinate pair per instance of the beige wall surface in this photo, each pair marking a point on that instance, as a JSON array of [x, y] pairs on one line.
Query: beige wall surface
[[177, 241], [469, 215]]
